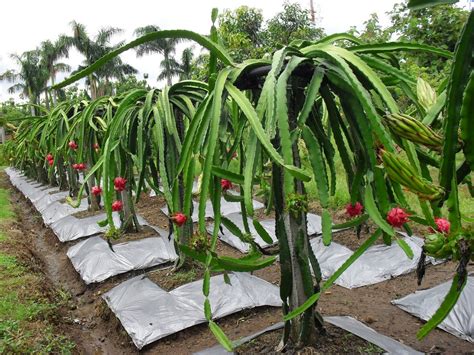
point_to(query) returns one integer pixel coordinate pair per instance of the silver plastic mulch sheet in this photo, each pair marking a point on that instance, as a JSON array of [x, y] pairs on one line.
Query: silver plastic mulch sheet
[[149, 313], [314, 227], [460, 321], [95, 261], [227, 208]]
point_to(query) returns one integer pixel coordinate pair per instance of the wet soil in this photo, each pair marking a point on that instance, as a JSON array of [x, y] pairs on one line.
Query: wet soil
[[87, 213], [95, 329], [169, 279], [371, 305], [150, 209], [335, 341], [144, 232], [350, 239]]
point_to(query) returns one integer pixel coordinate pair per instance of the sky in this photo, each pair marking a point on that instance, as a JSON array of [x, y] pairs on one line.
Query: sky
[[28, 22]]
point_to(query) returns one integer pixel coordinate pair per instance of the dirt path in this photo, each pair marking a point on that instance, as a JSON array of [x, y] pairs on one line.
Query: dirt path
[[371, 305], [80, 319]]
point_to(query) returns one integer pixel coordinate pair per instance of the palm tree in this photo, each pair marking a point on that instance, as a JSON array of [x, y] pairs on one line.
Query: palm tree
[[169, 69], [93, 49], [51, 53], [167, 47], [30, 80], [186, 65]]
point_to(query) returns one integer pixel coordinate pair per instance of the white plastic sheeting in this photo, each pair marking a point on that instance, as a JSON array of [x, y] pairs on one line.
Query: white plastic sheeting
[[330, 257], [29, 190], [20, 181], [95, 261], [26, 188], [47, 199], [314, 227], [55, 211], [380, 263], [71, 228], [349, 324], [377, 264], [47, 204], [391, 346], [460, 321], [149, 313], [10, 172], [227, 208], [227, 236], [52, 211], [41, 194]]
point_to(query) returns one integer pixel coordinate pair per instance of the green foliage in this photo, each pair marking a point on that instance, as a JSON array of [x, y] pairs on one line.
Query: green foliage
[[372, 32], [456, 101], [10, 112], [129, 83], [418, 4], [241, 32], [438, 26], [245, 33], [72, 93], [290, 118], [293, 23]]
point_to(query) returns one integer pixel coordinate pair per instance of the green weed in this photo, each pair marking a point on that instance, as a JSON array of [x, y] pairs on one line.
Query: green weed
[[183, 277], [24, 312]]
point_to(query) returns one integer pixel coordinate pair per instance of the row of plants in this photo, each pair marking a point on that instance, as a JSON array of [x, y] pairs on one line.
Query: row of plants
[[251, 125]]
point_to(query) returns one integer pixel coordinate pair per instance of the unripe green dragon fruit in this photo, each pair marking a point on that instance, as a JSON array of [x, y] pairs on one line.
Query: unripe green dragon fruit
[[434, 243]]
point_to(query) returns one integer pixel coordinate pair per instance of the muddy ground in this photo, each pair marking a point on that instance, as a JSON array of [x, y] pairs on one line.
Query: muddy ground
[[89, 323]]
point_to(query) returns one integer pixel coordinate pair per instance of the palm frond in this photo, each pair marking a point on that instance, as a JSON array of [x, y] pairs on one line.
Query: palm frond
[[62, 68], [17, 88], [105, 34], [10, 75]]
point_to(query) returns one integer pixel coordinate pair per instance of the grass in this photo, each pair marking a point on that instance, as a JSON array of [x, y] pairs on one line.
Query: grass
[[5, 210], [183, 276], [25, 312], [342, 196]]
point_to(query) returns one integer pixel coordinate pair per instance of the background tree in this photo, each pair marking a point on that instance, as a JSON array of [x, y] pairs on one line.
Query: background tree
[[241, 32], [10, 113], [438, 26], [170, 68], [167, 47], [128, 83], [292, 23], [93, 49], [186, 65], [50, 54], [72, 93], [31, 78], [372, 32], [245, 34]]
